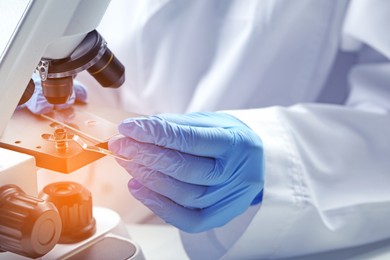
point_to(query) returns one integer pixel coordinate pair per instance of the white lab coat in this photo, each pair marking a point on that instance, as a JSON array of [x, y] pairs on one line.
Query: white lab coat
[[275, 65]]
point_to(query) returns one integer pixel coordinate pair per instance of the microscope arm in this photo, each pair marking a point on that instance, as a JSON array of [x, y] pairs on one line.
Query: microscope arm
[[50, 29]]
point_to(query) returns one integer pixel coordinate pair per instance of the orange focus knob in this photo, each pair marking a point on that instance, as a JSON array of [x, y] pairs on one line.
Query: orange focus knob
[[28, 226], [74, 203]]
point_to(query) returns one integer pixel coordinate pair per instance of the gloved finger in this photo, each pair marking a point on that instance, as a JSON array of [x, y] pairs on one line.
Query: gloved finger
[[164, 207], [201, 141], [182, 193], [38, 104], [201, 119], [192, 220], [181, 166], [80, 91]]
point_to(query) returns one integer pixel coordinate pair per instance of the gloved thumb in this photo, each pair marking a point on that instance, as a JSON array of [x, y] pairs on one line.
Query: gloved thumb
[[80, 91]]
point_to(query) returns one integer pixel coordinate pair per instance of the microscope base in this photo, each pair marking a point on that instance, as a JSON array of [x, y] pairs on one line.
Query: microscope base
[[111, 241]]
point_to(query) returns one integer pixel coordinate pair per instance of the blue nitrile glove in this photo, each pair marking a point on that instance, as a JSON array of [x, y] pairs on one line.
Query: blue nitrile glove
[[196, 171], [38, 104]]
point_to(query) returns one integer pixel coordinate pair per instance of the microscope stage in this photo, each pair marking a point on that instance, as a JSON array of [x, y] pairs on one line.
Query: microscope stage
[[24, 130]]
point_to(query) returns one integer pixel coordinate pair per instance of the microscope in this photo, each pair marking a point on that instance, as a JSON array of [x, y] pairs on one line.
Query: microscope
[[56, 39]]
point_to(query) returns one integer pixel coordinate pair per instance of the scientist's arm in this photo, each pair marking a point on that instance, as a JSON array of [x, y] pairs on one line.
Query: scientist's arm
[[326, 173], [196, 171]]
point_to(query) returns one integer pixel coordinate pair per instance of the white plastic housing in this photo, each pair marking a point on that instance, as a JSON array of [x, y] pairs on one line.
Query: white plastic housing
[[18, 169], [32, 29]]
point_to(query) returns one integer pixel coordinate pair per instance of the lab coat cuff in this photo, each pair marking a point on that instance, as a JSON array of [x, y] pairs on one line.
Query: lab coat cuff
[[284, 188]]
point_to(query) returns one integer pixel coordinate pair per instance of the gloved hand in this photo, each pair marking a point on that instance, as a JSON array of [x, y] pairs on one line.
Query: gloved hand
[[196, 171], [38, 104]]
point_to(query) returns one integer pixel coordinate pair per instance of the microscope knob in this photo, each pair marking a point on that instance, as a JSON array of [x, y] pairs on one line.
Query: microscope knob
[[28, 226], [74, 203]]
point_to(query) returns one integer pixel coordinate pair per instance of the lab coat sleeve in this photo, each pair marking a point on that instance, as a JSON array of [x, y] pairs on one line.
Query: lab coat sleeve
[[326, 180]]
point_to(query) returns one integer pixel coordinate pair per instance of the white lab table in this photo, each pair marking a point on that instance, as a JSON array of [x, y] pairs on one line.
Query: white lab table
[[163, 242], [160, 242]]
